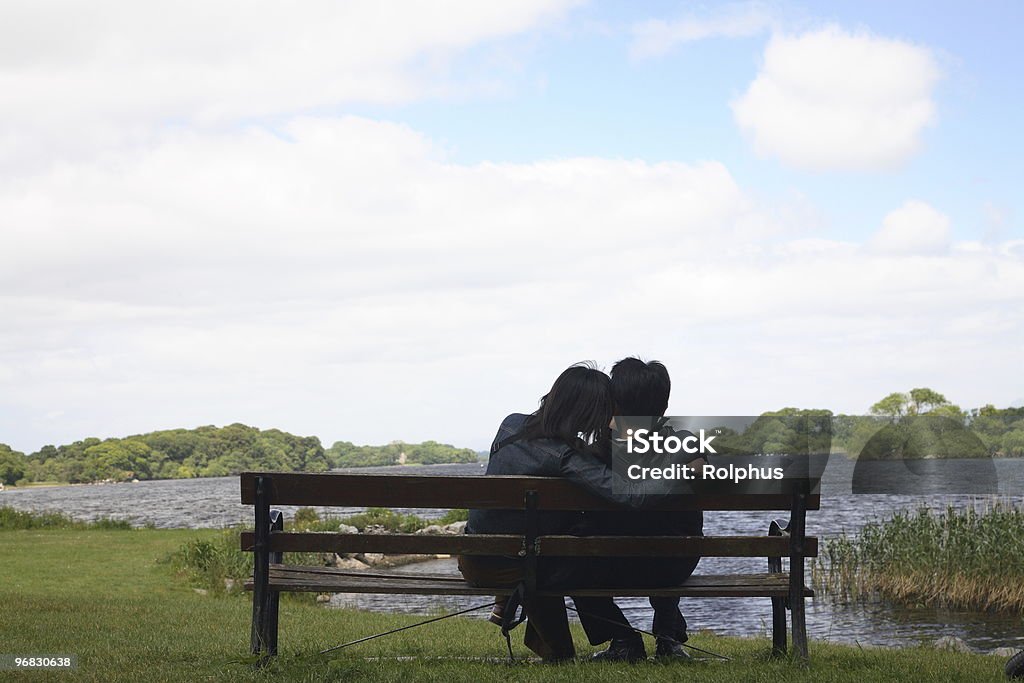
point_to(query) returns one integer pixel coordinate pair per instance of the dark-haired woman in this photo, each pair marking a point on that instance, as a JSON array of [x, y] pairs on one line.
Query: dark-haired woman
[[566, 437]]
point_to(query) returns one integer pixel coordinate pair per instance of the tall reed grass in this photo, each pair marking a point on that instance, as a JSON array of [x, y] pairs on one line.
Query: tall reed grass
[[969, 559]]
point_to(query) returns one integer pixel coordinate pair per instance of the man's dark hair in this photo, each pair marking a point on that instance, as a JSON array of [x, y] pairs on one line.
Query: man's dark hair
[[640, 388]]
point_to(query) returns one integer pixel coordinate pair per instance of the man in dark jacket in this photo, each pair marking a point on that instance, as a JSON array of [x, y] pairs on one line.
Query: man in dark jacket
[[640, 389], [547, 630]]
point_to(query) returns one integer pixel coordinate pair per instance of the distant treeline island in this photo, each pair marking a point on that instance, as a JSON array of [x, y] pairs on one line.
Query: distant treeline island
[[208, 452], [222, 451]]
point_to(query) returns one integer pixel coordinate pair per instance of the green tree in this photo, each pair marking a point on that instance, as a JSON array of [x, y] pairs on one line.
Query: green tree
[[1013, 443], [917, 401], [13, 464], [893, 406], [923, 399]]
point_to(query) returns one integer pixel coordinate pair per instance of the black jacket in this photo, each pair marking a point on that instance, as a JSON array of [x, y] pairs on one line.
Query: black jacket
[[647, 522], [550, 458]]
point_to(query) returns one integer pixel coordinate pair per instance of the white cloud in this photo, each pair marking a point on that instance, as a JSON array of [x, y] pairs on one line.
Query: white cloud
[[181, 245], [914, 228], [212, 276], [345, 279], [829, 99], [77, 77], [656, 37]]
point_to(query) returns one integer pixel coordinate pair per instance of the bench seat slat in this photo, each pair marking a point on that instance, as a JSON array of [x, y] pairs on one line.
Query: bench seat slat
[[405, 544], [293, 578], [579, 546], [302, 570], [663, 546]]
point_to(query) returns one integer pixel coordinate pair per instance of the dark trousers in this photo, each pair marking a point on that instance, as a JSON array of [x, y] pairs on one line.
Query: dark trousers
[[547, 625], [601, 617]]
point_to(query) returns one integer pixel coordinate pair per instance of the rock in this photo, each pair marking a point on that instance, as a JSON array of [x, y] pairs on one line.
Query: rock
[[402, 560], [201, 591], [323, 597], [952, 643], [452, 529], [1004, 652], [375, 529], [372, 559], [350, 563], [229, 584], [347, 529], [455, 528]]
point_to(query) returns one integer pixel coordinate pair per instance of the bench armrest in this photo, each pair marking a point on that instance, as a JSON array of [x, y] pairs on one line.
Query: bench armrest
[[776, 529], [276, 524]]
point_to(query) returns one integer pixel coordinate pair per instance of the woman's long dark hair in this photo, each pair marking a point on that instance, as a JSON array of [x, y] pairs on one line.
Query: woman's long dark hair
[[576, 411]]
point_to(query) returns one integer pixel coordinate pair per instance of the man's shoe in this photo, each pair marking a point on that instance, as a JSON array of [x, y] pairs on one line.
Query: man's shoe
[[622, 650], [670, 649]]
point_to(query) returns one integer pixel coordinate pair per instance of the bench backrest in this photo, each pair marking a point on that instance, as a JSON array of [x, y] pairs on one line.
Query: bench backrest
[[263, 489], [481, 492]]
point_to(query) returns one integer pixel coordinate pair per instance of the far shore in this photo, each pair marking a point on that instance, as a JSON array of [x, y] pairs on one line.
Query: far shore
[[53, 484]]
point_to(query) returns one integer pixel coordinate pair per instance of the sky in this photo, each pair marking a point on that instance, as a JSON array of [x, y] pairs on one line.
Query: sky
[[377, 220]]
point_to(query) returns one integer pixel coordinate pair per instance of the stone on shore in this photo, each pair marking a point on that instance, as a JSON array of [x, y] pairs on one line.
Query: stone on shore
[[456, 528], [953, 644], [453, 529], [350, 563]]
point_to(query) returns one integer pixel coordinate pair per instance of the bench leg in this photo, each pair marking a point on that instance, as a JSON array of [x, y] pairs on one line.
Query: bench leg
[[263, 636], [779, 605], [796, 577], [264, 625], [799, 630], [271, 635], [273, 597], [778, 626], [260, 619]]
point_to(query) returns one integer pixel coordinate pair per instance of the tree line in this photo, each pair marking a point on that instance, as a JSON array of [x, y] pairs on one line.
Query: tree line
[[924, 423], [923, 419], [347, 454], [205, 452]]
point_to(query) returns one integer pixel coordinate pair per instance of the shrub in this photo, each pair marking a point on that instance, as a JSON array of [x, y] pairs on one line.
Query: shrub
[[206, 563]]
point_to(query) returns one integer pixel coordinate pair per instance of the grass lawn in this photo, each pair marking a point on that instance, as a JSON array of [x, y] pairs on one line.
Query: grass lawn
[[109, 598]]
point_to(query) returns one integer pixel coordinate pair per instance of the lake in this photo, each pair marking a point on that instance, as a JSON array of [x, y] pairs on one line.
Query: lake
[[212, 503]]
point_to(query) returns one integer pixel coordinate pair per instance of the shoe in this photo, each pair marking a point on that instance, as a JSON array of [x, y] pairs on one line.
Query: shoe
[[622, 650], [670, 649], [497, 613]]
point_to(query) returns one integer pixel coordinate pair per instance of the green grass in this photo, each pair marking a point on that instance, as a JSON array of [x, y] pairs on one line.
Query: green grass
[[113, 599], [968, 559], [25, 484], [18, 519]]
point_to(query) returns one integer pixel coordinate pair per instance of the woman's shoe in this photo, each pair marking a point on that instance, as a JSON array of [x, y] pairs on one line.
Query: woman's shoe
[[497, 613]]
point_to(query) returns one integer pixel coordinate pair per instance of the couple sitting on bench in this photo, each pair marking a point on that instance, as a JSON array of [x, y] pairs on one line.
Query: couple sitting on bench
[[569, 436]]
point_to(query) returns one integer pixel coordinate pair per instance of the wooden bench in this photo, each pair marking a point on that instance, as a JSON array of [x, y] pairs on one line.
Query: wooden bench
[[530, 494]]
